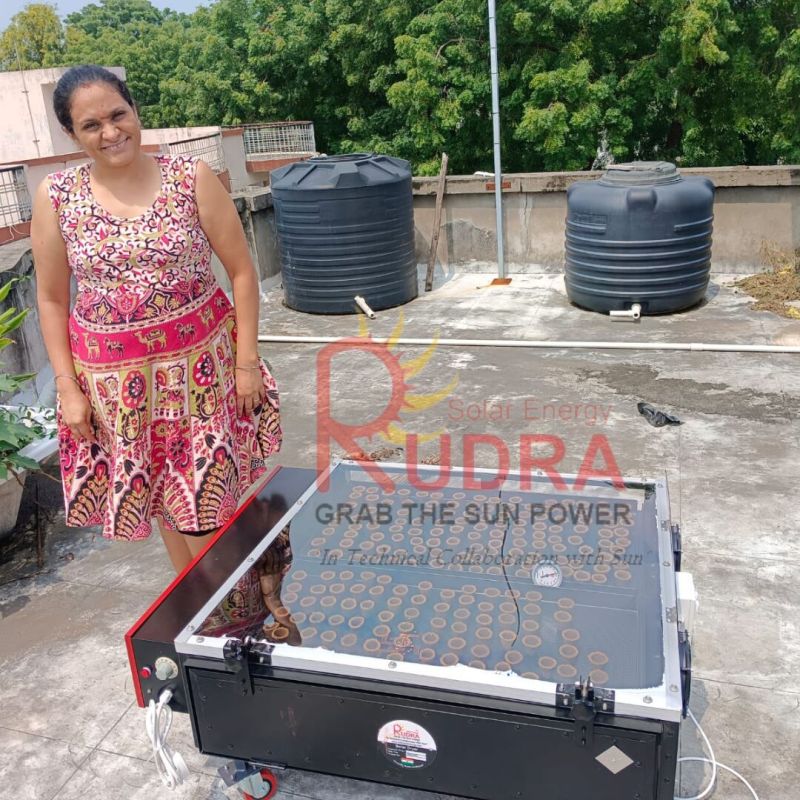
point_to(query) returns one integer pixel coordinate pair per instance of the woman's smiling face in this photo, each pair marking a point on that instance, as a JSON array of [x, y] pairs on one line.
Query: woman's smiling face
[[104, 125]]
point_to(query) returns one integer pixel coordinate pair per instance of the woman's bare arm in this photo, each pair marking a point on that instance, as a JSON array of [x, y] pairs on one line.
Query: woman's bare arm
[[220, 222], [52, 298]]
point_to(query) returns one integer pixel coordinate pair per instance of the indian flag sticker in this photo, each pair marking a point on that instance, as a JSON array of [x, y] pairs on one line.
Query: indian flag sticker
[[406, 744]]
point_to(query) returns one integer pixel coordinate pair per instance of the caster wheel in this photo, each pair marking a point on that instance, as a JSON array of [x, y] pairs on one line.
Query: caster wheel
[[270, 787]]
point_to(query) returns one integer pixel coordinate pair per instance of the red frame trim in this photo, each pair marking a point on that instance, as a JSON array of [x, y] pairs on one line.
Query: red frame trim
[[253, 165], [138, 624]]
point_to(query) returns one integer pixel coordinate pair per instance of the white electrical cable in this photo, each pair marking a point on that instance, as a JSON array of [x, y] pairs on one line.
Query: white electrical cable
[[715, 765], [171, 767]]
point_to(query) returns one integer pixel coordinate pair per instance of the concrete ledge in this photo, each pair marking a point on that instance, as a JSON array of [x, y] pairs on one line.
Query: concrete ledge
[[263, 163], [722, 177], [757, 209], [257, 198]]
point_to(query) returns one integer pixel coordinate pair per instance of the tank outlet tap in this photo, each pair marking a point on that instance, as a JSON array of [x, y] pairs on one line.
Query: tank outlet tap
[[362, 304], [633, 313]]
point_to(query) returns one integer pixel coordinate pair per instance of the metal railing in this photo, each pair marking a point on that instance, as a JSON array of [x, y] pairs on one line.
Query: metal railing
[[279, 138], [15, 201], [209, 148]]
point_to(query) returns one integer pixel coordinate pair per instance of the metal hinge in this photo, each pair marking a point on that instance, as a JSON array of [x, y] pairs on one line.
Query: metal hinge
[[671, 614]]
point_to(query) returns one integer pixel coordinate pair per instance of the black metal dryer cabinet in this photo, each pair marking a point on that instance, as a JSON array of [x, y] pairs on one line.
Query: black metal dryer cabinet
[[499, 678]]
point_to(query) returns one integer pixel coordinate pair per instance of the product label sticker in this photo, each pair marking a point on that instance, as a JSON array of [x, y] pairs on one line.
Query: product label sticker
[[406, 744]]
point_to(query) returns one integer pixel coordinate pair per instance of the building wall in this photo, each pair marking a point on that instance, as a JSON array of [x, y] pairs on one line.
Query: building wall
[[36, 169], [30, 128], [165, 135], [61, 141], [258, 220], [236, 161], [755, 209]]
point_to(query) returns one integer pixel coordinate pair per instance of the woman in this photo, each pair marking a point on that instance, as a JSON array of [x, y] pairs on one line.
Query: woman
[[165, 410]]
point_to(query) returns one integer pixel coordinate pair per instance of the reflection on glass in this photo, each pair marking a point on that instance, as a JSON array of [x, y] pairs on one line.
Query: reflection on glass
[[545, 584], [254, 606], [271, 569]]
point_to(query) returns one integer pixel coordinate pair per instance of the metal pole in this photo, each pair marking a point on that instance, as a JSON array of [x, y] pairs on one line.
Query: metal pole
[[26, 92], [498, 173]]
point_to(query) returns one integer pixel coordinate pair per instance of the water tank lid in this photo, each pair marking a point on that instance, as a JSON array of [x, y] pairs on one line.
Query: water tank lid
[[640, 173], [349, 170], [342, 157]]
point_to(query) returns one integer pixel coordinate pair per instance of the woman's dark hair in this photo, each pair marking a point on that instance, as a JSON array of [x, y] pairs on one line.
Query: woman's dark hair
[[85, 75]]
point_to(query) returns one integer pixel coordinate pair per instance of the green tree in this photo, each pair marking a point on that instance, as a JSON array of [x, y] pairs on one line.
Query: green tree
[[95, 19], [214, 81], [135, 35], [701, 82], [786, 138], [33, 39], [688, 81], [697, 81], [441, 95]]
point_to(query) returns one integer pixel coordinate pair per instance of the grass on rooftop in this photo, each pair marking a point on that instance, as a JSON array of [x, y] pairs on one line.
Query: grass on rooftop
[[775, 289]]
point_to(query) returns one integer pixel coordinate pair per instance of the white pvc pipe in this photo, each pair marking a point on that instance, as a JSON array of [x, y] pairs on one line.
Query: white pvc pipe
[[565, 345], [498, 171], [634, 312], [362, 304]]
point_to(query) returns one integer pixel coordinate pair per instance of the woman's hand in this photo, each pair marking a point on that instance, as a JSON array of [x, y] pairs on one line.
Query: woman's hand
[[76, 413], [249, 389]]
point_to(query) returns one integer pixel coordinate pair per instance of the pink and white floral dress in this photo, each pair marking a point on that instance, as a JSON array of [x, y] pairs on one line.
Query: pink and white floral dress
[[153, 337]]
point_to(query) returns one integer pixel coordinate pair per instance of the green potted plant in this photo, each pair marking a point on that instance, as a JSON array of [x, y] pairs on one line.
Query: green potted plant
[[26, 434]]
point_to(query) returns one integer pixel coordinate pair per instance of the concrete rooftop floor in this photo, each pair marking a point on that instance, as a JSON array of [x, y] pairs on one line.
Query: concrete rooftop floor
[[69, 726]]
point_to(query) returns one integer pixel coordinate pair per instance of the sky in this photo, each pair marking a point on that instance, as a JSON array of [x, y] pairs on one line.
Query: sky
[[10, 7]]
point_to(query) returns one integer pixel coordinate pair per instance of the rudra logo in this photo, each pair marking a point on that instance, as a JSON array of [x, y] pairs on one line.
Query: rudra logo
[[403, 733], [538, 452], [402, 399]]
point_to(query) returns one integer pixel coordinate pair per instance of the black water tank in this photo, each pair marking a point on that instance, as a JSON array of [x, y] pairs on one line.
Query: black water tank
[[345, 228], [640, 234]]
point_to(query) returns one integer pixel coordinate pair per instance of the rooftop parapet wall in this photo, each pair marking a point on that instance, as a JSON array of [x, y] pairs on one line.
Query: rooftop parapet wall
[[755, 208]]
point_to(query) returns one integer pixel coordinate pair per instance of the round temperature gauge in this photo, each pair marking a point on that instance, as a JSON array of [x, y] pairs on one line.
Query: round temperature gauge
[[549, 575]]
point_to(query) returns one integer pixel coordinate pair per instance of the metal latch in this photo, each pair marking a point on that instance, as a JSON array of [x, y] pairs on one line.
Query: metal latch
[[237, 655], [685, 657], [675, 532], [585, 701]]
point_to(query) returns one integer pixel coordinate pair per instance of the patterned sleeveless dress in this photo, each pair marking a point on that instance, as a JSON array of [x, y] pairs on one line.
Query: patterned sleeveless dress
[[153, 338]]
